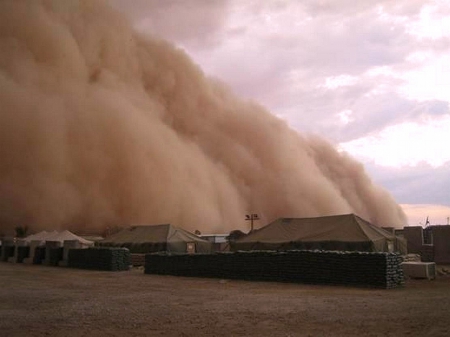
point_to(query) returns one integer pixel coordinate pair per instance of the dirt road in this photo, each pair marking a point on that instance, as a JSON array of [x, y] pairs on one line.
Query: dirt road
[[50, 301]]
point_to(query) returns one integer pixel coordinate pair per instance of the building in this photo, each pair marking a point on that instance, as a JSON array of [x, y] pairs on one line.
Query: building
[[431, 243]]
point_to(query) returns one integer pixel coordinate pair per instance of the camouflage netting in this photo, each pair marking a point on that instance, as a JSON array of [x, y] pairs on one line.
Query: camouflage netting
[[379, 270], [113, 259]]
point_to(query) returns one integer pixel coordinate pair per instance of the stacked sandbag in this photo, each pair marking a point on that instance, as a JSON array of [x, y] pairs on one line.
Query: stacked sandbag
[[22, 253], [67, 246], [53, 253], [102, 258], [32, 247], [39, 254], [411, 258], [53, 256], [381, 270], [7, 249]]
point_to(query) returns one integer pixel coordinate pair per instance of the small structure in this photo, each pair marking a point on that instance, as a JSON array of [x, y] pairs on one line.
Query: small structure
[[425, 270], [431, 243]]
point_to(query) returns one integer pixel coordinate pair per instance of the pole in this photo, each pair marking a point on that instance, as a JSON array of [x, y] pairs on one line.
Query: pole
[[251, 218]]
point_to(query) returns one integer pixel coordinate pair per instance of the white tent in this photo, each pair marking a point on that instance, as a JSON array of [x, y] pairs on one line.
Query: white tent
[[57, 236]]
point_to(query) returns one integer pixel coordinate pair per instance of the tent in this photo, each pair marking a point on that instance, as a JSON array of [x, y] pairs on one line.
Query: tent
[[157, 238], [57, 236], [346, 232]]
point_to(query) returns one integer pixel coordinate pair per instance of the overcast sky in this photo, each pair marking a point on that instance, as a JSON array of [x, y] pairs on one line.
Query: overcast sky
[[373, 77]]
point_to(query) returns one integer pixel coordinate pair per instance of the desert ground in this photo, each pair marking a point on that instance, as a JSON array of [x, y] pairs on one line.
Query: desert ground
[[54, 301]]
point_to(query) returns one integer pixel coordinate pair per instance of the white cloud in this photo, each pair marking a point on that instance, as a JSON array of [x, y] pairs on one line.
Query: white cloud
[[434, 21], [345, 116], [430, 81], [406, 144], [344, 80], [418, 213]]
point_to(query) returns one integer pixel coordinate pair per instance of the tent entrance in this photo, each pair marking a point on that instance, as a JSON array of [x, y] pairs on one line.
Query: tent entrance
[[190, 247], [390, 246]]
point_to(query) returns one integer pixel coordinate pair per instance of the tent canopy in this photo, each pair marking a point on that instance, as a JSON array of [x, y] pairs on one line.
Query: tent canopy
[[155, 238], [57, 236], [338, 232]]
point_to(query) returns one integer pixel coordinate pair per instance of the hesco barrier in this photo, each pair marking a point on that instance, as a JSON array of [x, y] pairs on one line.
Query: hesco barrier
[[113, 259], [379, 270]]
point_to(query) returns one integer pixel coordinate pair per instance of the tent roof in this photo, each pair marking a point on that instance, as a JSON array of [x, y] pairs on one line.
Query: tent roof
[[66, 235], [56, 236], [346, 228], [41, 236], [152, 234]]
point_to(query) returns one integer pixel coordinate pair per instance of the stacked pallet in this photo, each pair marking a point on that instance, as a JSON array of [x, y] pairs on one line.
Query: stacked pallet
[[381, 270], [112, 259]]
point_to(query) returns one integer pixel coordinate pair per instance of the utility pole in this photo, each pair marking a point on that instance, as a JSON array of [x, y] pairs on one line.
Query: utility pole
[[251, 218]]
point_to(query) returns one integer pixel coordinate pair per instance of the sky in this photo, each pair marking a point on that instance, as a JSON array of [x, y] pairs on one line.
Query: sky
[[372, 77]]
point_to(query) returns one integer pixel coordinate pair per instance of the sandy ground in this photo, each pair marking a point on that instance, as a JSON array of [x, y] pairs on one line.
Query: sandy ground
[[53, 301]]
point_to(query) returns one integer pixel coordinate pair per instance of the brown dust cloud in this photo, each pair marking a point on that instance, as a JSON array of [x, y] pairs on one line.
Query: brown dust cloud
[[103, 126]]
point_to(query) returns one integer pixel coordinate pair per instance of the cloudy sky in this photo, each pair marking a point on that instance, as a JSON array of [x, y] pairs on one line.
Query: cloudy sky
[[373, 77]]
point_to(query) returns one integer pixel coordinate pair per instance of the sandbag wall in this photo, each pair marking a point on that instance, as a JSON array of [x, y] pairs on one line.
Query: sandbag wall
[[379, 270], [53, 256], [39, 255], [22, 253], [113, 259], [7, 252]]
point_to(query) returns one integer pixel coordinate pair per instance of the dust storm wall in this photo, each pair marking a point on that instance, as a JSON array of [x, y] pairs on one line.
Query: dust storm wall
[[100, 126]]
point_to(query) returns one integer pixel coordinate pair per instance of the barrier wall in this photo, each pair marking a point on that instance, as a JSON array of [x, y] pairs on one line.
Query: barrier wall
[[113, 259], [21, 250], [32, 251], [53, 253], [53, 256], [22, 253], [67, 246], [7, 249], [380, 270], [39, 255]]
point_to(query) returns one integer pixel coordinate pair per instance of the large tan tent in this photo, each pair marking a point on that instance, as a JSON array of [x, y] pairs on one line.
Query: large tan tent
[[346, 232], [157, 238]]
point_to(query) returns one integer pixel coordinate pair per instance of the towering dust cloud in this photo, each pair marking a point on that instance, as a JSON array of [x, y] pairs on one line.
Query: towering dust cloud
[[102, 126]]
